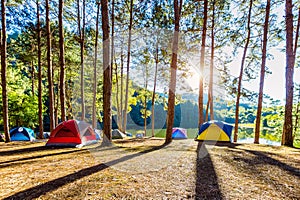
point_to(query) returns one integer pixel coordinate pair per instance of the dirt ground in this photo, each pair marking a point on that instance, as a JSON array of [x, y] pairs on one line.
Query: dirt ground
[[147, 169]]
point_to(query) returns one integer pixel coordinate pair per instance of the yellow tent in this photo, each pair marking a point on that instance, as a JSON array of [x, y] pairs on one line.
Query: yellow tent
[[215, 131]]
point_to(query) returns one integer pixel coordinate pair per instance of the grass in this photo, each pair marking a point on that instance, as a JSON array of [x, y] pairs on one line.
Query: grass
[[146, 169], [161, 133]]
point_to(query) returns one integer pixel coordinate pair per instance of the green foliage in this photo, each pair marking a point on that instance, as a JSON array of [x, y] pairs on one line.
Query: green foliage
[[23, 106]]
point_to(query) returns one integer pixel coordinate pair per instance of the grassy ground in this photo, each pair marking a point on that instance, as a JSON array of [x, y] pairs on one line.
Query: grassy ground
[[147, 169]]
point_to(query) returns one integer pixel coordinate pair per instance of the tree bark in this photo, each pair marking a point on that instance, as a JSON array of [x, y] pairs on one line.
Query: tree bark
[[40, 89], [106, 75], [32, 78], [237, 105], [81, 31], [154, 85], [94, 122], [49, 72], [172, 85], [211, 76], [128, 66], [62, 61], [3, 73], [202, 63], [287, 133], [262, 74]]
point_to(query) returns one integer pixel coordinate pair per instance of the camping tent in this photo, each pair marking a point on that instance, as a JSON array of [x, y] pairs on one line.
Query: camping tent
[[117, 134], [21, 134], [72, 133], [215, 131], [179, 133]]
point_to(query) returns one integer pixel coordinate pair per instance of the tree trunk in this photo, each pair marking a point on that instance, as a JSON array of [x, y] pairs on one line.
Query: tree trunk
[[128, 66], [237, 105], [62, 61], [94, 122], [287, 133], [297, 113], [106, 75], [172, 85], [145, 116], [211, 76], [202, 63], [122, 91], [40, 90], [295, 50], [154, 85], [207, 108], [3, 73], [50, 72], [262, 74], [81, 39], [112, 51], [32, 78]]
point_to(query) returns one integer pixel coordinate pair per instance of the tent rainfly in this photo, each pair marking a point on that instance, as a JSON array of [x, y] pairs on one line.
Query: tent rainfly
[[21, 134], [179, 133], [72, 133], [215, 131]]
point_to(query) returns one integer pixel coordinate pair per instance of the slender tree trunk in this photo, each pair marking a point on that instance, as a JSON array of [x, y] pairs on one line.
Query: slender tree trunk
[[62, 61], [112, 51], [287, 133], [50, 70], [128, 65], [3, 73], [122, 92], [237, 105], [211, 76], [106, 75], [154, 85], [32, 78], [94, 123], [145, 116], [207, 107], [81, 31], [172, 86], [202, 63], [297, 114], [262, 73], [295, 50], [40, 90]]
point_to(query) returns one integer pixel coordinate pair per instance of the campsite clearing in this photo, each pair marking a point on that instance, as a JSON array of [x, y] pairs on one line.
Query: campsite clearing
[[145, 169]]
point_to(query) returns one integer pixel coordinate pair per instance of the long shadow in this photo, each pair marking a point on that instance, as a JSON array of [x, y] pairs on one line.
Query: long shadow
[[44, 188], [16, 161], [23, 150], [262, 158], [207, 186]]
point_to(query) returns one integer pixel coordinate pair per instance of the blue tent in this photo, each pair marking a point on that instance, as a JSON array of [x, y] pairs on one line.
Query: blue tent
[[22, 134], [179, 133]]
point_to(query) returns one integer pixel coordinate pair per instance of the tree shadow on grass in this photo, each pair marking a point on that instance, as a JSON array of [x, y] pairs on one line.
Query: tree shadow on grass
[[207, 186], [31, 158], [262, 158], [44, 188], [23, 150]]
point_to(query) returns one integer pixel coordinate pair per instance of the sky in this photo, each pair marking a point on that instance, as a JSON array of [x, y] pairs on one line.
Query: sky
[[274, 84]]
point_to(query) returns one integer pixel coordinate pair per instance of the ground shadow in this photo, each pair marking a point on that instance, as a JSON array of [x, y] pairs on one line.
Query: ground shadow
[[31, 158], [207, 186], [262, 158], [44, 188], [23, 150]]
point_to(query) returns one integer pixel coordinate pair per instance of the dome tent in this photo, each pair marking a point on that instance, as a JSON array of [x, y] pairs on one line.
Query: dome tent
[[72, 133], [179, 133], [215, 131], [21, 134]]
